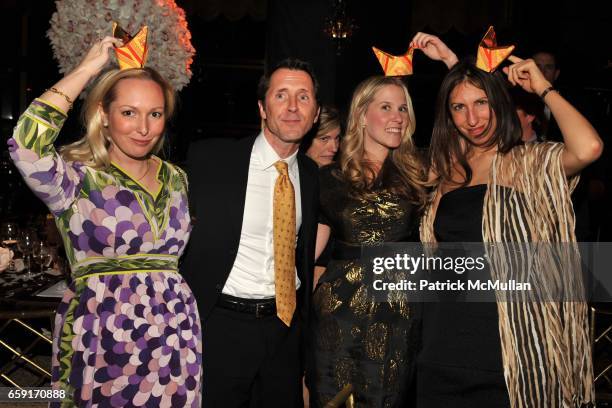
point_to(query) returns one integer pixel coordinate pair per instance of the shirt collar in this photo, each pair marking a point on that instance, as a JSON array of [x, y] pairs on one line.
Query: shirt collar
[[268, 156]]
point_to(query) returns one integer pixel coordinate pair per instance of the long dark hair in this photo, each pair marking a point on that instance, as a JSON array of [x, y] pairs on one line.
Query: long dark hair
[[446, 146]]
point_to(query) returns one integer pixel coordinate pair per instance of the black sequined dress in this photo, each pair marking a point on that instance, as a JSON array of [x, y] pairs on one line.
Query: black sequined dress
[[357, 339]]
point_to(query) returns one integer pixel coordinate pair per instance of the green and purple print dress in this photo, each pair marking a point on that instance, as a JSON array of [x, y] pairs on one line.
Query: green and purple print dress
[[127, 332]]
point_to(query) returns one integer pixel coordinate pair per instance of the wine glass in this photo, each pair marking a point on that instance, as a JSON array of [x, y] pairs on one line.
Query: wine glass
[[9, 236], [26, 245], [42, 255]]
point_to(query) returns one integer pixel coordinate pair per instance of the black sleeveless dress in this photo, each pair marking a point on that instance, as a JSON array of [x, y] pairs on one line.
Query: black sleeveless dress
[[460, 362]]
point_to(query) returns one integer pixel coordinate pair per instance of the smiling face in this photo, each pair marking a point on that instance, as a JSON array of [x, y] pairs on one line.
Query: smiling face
[[324, 147], [289, 109], [135, 119], [385, 120], [471, 113]]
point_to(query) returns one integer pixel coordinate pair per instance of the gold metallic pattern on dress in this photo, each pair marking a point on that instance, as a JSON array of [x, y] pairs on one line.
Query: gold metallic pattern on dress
[[376, 341], [326, 301], [354, 272], [362, 303], [392, 372], [374, 216], [360, 338], [398, 302], [344, 370], [330, 335]]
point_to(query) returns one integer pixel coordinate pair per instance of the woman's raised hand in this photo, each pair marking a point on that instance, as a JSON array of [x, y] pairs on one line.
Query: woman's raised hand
[[434, 48], [98, 55], [527, 75], [67, 89]]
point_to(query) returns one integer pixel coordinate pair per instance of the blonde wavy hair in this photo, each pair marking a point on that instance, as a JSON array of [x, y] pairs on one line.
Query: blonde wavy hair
[[92, 149], [404, 170]]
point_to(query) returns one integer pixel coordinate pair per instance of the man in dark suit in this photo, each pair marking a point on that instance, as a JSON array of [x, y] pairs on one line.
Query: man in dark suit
[[252, 324]]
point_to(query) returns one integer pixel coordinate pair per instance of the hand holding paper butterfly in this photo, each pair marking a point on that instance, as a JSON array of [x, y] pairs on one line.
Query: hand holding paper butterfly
[[98, 55], [434, 48], [67, 89], [527, 75]]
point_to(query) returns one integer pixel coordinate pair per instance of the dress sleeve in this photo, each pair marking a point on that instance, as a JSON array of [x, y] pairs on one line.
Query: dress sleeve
[[55, 181]]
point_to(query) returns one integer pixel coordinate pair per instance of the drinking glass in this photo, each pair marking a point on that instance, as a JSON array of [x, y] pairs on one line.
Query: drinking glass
[[42, 255], [26, 244]]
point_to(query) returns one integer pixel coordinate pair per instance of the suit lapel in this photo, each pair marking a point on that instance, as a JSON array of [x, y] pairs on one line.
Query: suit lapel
[[306, 191]]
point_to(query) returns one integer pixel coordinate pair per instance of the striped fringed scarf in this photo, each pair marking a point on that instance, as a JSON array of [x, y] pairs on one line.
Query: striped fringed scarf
[[545, 345]]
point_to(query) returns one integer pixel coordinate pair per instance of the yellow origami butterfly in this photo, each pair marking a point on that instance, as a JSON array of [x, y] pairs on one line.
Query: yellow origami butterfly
[[490, 55], [395, 65], [133, 53]]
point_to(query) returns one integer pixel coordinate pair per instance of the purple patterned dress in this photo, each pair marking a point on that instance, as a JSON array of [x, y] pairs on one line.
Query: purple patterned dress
[[127, 332]]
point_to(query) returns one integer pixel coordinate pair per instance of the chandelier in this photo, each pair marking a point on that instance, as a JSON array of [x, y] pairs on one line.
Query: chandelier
[[339, 27]]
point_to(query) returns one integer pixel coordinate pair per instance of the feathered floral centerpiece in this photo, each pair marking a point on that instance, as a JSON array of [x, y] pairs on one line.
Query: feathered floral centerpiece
[[77, 24]]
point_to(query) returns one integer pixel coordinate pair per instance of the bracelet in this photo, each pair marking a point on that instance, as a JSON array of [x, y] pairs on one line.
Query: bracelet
[[57, 91], [546, 91]]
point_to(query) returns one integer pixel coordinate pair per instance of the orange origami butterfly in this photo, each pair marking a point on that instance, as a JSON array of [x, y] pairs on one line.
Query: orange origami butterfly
[[133, 53], [490, 55], [395, 65]]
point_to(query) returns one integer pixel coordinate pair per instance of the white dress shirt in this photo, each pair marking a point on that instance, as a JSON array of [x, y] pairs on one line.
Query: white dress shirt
[[252, 275]]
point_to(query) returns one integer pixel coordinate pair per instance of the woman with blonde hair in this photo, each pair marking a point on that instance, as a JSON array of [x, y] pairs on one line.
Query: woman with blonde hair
[[374, 194], [321, 145], [322, 142], [93, 148], [127, 331]]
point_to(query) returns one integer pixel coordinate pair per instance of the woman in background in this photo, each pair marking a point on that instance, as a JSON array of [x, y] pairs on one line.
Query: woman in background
[[321, 145], [322, 142]]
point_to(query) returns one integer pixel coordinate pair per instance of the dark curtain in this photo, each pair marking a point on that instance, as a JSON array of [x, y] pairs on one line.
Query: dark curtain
[[295, 29]]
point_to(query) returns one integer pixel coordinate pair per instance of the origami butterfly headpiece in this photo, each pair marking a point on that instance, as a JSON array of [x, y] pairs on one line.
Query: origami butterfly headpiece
[[491, 55], [133, 53], [395, 65]]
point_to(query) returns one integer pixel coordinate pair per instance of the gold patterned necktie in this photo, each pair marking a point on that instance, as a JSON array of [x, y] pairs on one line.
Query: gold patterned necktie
[[284, 244]]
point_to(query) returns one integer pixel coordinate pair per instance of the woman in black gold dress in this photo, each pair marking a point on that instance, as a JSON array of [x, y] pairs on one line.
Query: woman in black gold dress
[[374, 194]]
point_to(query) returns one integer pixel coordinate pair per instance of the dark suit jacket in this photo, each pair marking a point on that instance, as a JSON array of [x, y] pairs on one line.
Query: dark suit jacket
[[217, 173]]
